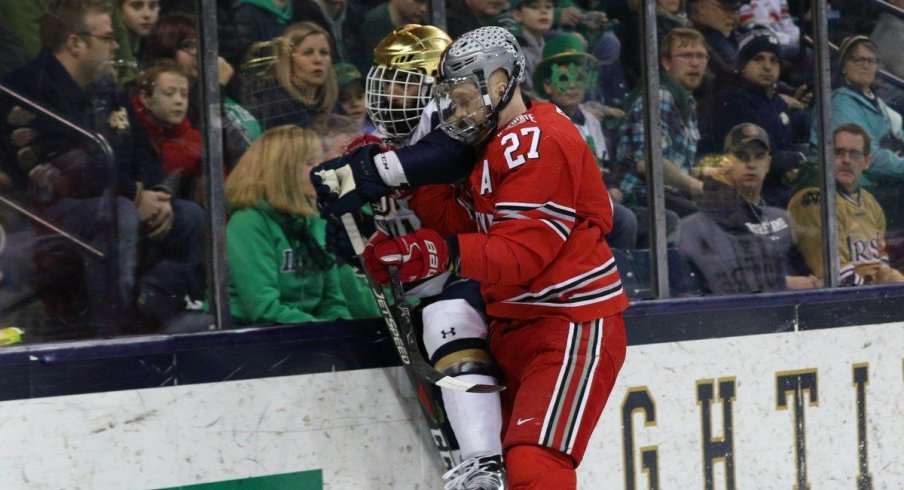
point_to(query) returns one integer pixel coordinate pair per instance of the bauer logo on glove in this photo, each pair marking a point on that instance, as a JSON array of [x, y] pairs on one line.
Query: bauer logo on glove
[[419, 255]]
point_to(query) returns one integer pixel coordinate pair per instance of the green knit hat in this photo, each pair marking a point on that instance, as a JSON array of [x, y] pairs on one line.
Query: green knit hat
[[346, 73], [562, 49]]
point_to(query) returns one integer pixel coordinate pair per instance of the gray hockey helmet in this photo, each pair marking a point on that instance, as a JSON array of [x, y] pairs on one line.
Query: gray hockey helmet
[[467, 109]]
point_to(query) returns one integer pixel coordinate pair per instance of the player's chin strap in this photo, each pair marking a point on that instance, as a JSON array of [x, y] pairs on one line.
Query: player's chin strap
[[492, 121], [509, 92]]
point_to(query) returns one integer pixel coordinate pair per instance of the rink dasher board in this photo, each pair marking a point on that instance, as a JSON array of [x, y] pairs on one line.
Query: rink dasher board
[[360, 428], [357, 427]]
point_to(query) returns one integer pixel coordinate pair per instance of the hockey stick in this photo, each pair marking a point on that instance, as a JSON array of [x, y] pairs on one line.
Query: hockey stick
[[405, 340], [426, 394], [354, 235], [418, 364]]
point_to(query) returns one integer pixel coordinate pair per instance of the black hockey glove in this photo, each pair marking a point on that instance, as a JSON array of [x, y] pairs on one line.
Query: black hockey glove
[[346, 183]]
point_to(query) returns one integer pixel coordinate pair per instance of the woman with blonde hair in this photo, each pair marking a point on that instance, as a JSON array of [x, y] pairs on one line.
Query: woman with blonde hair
[[281, 271], [300, 83]]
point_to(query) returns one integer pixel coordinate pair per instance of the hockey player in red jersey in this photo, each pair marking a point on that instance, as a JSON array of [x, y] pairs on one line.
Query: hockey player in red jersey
[[454, 326], [533, 237]]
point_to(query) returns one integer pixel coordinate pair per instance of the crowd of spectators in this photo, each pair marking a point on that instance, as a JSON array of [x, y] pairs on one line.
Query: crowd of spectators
[[737, 132]]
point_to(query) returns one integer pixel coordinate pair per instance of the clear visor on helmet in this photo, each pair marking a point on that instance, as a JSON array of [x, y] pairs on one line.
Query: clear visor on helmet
[[465, 109], [395, 99]]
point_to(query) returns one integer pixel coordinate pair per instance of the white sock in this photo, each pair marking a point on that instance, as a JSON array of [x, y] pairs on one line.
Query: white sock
[[476, 418]]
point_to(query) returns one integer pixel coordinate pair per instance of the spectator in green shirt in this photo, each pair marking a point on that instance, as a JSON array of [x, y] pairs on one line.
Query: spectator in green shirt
[[280, 269]]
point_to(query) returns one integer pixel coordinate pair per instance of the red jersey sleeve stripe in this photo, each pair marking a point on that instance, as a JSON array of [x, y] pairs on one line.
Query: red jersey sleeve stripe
[[553, 209], [558, 227], [576, 282]]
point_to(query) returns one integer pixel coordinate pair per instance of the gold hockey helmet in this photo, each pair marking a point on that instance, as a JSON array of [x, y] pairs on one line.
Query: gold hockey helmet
[[412, 47], [398, 84]]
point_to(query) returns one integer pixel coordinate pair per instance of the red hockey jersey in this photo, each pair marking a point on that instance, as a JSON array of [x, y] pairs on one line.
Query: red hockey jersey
[[541, 211]]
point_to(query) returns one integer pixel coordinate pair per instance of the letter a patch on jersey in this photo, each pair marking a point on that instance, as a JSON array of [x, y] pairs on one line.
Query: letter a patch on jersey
[[486, 187]]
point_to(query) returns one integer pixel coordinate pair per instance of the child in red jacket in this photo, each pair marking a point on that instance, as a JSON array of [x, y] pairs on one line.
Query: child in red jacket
[[162, 103]]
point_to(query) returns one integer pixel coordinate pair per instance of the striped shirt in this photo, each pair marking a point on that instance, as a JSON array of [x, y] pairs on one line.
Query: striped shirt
[[680, 135]]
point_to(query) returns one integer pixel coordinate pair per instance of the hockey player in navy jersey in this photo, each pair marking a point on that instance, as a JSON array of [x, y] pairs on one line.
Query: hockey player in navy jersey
[[532, 237], [398, 101]]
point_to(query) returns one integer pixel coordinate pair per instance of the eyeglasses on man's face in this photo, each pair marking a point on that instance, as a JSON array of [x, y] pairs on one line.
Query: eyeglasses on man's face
[[852, 154]]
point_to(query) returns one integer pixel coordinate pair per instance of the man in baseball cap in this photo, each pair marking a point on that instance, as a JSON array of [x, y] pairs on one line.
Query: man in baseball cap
[[737, 242], [749, 144], [743, 136]]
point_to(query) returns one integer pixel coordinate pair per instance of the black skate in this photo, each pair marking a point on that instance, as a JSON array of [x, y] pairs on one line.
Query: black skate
[[478, 473]]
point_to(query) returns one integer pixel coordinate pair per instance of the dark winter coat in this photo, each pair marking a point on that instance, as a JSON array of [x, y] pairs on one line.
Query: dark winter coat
[[103, 109], [747, 102], [738, 247], [254, 24], [459, 18], [12, 53], [273, 106], [345, 38], [723, 50]]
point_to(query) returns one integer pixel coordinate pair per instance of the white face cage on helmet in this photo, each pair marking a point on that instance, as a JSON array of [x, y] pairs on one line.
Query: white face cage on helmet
[[467, 112], [395, 98]]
